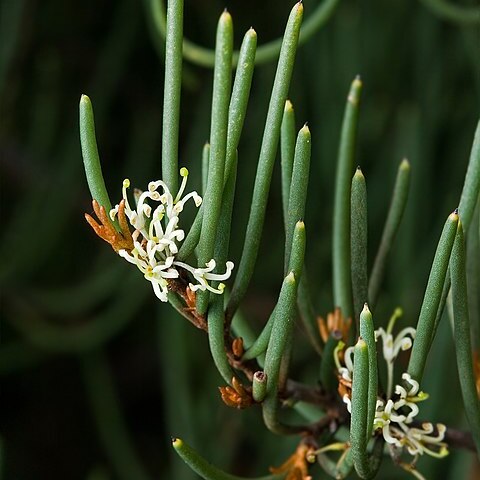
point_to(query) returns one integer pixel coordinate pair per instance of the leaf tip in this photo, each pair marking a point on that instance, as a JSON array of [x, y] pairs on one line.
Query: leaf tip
[[305, 130], [176, 442], [405, 164], [300, 225]]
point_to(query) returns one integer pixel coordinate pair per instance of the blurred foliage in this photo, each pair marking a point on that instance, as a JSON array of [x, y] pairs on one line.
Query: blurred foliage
[[73, 315]]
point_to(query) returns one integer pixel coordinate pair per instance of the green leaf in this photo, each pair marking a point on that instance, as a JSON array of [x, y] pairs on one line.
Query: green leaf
[[91, 159], [287, 149], [171, 94], [395, 214], [358, 242], [298, 189], [267, 158], [212, 201], [463, 344], [367, 332], [204, 468], [342, 286], [366, 465], [431, 299]]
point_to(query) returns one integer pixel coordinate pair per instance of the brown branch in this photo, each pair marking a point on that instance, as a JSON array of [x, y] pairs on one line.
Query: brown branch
[[336, 413], [459, 439]]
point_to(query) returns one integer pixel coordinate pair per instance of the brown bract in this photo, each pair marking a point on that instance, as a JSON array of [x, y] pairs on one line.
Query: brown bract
[[296, 466], [106, 231], [335, 322], [236, 396], [237, 347], [344, 387]]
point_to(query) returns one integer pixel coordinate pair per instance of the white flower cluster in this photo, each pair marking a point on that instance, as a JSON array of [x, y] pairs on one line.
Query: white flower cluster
[[395, 415], [393, 419], [157, 237]]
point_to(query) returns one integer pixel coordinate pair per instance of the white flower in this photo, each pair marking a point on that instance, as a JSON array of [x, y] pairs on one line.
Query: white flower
[[395, 414], [420, 440], [409, 398], [391, 348], [346, 372], [203, 274], [397, 432], [157, 237], [385, 415]]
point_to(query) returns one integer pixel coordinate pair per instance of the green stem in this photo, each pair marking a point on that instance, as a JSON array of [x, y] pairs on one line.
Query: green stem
[[193, 235], [172, 92], [336, 470], [109, 419], [216, 317], [91, 159], [279, 340], [462, 14], [205, 57], [296, 265], [261, 343], [267, 158], [259, 386], [463, 345], [342, 287], [395, 214], [431, 299], [204, 468], [242, 328], [212, 201], [216, 338], [358, 242]]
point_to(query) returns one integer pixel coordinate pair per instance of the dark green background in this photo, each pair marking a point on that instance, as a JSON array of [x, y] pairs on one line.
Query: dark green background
[[421, 100]]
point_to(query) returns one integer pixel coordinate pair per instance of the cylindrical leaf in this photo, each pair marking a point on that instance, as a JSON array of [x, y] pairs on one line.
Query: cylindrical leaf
[[342, 288]]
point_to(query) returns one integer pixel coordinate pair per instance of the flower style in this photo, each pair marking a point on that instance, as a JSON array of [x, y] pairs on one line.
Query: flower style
[[391, 348], [395, 414], [155, 241]]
